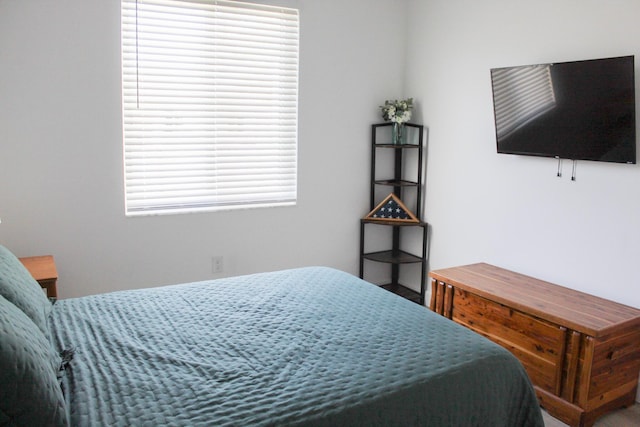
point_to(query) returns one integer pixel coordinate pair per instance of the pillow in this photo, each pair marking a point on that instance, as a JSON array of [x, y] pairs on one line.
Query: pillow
[[30, 393], [20, 288]]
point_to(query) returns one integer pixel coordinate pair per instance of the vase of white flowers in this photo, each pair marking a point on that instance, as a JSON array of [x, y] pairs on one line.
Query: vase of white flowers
[[399, 113], [398, 134]]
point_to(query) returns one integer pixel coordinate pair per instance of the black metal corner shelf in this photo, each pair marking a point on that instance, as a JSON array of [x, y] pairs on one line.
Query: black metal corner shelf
[[394, 255]]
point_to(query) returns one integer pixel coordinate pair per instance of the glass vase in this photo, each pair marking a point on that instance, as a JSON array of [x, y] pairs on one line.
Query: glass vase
[[398, 134]]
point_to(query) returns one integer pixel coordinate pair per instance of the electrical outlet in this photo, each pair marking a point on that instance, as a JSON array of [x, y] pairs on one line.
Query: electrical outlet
[[217, 264]]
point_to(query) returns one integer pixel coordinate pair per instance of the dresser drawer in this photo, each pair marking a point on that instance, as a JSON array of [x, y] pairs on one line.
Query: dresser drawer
[[537, 343]]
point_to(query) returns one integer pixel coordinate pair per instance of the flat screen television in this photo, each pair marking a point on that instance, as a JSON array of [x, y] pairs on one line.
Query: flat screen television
[[581, 110]]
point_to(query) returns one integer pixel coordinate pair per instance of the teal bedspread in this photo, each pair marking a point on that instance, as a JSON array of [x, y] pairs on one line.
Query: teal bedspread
[[311, 346]]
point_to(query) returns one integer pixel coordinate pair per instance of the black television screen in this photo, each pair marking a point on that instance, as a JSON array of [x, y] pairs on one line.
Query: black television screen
[[581, 110]]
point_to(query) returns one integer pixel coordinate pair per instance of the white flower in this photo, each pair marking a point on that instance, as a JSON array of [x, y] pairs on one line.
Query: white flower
[[397, 111]]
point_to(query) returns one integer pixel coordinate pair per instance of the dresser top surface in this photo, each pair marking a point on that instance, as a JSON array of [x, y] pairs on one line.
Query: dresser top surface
[[577, 310]]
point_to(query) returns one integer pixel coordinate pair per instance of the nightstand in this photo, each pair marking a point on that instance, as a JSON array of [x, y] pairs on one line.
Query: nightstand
[[43, 269]]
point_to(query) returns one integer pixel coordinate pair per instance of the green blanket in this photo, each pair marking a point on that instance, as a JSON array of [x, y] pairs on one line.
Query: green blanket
[[310, 346]]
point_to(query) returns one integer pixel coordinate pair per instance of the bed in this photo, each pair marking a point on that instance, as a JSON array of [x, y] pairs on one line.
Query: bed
[[309, 346]]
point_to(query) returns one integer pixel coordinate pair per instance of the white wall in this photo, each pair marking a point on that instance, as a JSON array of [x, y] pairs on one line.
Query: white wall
[[513, 211], [61, 184], [61, 169]]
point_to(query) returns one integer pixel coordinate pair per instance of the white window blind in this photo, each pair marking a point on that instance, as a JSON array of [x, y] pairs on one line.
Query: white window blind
[[210, 98]]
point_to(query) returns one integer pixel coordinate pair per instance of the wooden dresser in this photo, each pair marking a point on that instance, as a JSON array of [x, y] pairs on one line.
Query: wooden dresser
[[581, 352]]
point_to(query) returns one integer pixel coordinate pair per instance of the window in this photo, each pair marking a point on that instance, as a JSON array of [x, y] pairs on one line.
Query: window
[[210, 98]]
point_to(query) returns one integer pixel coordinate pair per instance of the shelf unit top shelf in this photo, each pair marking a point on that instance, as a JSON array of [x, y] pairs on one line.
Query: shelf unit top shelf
[[410, 145]]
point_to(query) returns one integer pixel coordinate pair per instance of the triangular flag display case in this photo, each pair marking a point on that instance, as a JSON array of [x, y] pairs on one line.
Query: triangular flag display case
[[399, 210], [392, 209]]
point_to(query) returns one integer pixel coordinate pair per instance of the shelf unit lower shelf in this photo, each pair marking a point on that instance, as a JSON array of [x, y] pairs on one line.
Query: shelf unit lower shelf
[[392, 257], [396, 258], [404, 292]]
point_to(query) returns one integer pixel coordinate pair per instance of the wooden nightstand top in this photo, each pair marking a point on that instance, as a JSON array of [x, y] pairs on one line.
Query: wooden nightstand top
[[43, 269]]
